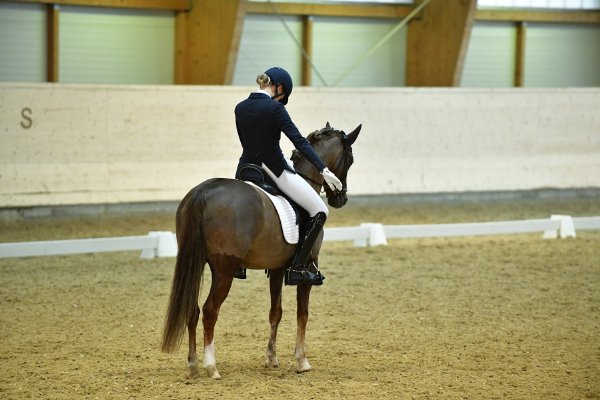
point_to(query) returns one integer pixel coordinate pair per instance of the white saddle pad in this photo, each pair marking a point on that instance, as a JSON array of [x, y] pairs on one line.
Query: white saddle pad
[[287, 216]]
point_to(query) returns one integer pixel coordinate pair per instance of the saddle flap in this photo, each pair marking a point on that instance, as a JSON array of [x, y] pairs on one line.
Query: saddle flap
[[288, 216]]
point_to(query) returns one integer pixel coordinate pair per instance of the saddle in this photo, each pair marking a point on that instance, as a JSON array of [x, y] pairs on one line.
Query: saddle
[[257, 175]]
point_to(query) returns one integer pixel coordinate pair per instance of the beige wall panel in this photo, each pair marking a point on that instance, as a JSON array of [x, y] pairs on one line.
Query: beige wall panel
[[107, 144], [91, 144], [445, 140]]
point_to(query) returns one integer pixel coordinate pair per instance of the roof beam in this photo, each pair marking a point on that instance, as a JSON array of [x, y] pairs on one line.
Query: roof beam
[[330, 10], [438, 42], [401, 11], [175, 5], [207, 42], [553, 16]]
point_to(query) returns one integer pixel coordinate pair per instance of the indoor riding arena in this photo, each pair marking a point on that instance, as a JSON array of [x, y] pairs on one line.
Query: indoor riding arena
[[465, 264]]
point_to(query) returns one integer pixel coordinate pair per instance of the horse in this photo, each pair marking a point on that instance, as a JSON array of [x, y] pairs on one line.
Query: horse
[[228, 223]]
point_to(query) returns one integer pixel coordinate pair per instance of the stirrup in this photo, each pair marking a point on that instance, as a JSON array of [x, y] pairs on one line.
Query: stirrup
[[295, 277], [240, 273]]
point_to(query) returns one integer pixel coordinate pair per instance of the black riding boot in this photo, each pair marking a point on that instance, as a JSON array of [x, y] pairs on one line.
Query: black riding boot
[[297, 272], [240, 273]]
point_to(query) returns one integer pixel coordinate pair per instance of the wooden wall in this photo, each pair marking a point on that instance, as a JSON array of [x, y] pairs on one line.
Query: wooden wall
[[207, 33], [95, 144]]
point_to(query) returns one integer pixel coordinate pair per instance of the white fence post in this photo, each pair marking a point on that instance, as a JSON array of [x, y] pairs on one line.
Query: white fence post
[[376, 236], [167, 245], [565, 229]]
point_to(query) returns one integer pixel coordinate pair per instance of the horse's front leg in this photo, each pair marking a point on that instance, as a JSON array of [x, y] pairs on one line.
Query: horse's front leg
[[192, 356], [302, 297], [275, 286]]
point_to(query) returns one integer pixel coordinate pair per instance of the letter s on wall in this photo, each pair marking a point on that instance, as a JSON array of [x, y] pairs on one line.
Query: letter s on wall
[[27, 121]]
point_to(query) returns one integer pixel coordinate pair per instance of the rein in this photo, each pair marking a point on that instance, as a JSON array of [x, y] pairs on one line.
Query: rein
[[311, 180]]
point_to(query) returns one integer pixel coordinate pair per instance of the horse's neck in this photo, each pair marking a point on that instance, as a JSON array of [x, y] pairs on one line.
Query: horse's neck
[[312, 174]]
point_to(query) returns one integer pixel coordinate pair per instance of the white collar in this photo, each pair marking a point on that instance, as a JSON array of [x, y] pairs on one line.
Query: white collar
[[263, 92]]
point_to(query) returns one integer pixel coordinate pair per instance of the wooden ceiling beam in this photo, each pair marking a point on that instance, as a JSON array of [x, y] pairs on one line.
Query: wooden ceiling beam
[[437, 43], [207, 42], [175, 5], [401, 11], [331, 10], [550, 16]]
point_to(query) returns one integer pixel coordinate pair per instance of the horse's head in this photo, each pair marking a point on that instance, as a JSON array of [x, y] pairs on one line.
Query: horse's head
[[334, 147]]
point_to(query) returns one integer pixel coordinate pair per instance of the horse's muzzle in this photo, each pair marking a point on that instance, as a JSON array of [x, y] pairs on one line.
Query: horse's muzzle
[[338, 200]]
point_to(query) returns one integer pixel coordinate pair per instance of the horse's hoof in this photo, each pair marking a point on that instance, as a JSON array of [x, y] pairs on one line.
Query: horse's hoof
[[303, 366], [272, 363], [194, 372], [213, 373]]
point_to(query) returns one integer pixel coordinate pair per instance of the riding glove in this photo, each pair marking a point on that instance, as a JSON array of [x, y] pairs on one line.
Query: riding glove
[[332, 181]]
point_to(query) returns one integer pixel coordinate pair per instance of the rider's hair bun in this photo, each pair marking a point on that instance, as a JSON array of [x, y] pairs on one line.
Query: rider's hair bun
[[263, 80]]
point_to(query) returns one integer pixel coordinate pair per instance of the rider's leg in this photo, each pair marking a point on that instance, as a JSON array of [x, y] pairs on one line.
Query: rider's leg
[[298, 271], [299, 190], [304, 195]]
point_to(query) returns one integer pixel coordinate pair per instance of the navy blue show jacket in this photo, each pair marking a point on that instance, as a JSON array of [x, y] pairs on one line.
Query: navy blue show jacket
[[259, 121]]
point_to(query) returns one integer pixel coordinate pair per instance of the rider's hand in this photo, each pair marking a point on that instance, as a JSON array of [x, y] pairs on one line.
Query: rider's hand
[[332, 181]]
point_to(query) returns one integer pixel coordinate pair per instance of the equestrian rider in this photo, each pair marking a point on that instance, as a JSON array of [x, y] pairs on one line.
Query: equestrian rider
[[260, 119]]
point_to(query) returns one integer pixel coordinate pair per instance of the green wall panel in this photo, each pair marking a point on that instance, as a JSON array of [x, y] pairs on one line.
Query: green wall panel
[[22, 42], [490, 58], [339, 42], [99, 45], [266, 43], [562, 55]]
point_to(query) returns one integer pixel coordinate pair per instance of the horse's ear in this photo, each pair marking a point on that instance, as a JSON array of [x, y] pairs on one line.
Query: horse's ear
[[354, 134], [327, 126]]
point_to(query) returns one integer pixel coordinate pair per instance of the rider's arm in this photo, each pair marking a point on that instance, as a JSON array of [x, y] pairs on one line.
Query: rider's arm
[[285, 124]]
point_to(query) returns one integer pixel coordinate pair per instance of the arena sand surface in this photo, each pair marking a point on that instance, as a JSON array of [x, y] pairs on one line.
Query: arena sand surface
[[502, 317]]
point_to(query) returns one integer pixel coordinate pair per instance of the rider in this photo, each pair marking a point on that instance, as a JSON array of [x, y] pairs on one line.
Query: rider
[[260, 119]]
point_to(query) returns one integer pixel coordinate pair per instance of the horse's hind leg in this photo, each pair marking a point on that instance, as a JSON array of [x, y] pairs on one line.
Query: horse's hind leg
[[275, 286], [302, 297], [222, 277], [192, 356]]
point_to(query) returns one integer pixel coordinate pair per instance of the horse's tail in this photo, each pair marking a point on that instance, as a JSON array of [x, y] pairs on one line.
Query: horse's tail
[[187, 279]]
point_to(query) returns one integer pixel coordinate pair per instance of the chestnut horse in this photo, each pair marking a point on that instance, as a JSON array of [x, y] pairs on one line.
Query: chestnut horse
[[229, 224]]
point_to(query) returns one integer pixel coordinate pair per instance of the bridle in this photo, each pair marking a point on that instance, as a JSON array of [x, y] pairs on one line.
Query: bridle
[[343, 161]]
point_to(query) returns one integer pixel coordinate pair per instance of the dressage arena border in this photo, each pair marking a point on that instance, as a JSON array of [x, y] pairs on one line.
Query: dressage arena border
[[164, 244]]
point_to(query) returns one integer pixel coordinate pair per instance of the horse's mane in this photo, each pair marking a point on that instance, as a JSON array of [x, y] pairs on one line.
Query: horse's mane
[[314, 137]]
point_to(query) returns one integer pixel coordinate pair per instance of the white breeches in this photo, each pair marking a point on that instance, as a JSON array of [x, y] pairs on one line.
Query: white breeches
[[299, 190]]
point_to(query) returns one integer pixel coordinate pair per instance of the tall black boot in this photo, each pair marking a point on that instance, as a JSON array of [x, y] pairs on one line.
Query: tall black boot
[[297, 272]]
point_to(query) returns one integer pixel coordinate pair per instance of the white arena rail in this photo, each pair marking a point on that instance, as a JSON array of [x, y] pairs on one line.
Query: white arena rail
[[471, 229], [155, 244], [78, 246], [164, 244], [586, 223]]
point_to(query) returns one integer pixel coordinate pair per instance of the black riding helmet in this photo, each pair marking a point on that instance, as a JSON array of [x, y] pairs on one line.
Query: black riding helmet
[[280, 76]]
